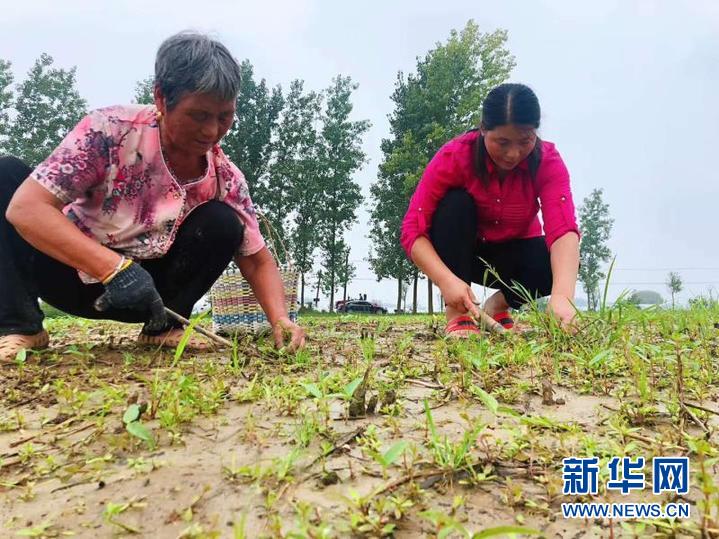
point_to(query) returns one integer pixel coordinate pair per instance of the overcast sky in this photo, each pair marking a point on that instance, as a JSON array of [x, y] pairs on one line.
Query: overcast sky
[[628, 92]]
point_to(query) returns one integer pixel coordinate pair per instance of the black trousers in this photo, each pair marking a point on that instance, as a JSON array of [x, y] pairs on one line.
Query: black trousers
[[204, 245], [454, 236]]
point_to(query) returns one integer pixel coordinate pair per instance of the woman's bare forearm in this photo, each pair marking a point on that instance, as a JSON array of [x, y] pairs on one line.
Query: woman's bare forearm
[[36, 215], [428, 261], [564, 255]]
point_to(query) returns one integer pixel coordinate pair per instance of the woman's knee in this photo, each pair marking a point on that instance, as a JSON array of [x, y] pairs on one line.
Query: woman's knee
[[13, 172], [458, 199], [216, 222], [456, 210]]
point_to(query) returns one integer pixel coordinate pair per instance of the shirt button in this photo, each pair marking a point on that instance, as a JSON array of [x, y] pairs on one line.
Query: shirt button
[[498, 201], [496, 222], [564, 198]]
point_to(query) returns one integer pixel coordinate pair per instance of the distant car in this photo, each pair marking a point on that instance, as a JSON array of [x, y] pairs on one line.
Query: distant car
[[361, 307]]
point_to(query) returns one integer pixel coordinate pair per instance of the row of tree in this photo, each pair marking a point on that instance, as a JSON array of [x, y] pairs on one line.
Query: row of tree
[[299, 150]]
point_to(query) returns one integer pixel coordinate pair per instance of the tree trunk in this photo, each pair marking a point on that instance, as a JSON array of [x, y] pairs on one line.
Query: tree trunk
[[317, 296], [430, 302], [332, 272], [347, 274], [399, 294], [414, 293], [302, 290], [332, 290]]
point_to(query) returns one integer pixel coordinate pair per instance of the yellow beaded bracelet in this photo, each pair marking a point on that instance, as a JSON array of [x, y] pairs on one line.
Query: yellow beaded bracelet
[[122, 265]]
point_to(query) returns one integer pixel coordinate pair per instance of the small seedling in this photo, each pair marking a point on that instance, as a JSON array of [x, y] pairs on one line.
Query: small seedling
[[131, 418]]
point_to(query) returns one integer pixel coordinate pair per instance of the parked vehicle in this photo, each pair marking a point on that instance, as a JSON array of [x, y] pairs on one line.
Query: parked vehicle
[[358, 306]]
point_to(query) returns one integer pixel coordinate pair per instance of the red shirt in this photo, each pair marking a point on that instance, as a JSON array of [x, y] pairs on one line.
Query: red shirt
[[506, 210]]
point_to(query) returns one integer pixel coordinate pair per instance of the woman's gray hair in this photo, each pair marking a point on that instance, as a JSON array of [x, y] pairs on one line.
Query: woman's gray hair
[[190, 62]]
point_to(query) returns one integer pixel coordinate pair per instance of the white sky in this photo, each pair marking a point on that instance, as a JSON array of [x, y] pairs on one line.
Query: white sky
[[627, 90]]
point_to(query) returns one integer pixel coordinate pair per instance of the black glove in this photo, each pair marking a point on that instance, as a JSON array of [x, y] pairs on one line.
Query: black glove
[[133, 288]]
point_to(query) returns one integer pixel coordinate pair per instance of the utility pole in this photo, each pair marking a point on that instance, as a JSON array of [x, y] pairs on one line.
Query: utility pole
[[347, 273], [430, 304], [317, 295], [414, 292]]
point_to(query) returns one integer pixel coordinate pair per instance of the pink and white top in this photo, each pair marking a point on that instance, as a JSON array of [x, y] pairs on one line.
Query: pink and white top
[[110, 172], [505, 210]]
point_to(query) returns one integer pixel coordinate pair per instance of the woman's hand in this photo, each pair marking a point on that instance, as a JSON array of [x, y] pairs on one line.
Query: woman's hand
[[285, 326], [458, 295], [133, 288], [562, 308]]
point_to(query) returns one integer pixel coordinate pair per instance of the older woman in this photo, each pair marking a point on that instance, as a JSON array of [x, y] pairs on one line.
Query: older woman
[[137, 208]]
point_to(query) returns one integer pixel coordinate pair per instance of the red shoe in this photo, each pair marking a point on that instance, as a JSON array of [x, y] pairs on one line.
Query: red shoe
[[505, 319], [461, 327]]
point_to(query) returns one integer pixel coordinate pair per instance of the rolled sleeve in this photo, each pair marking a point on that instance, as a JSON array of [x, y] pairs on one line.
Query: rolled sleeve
[[79, 164], [252, 241], [440, 175], [555, 195], [235, 193]]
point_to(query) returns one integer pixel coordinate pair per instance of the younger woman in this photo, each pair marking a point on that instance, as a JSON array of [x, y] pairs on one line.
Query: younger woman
[[477, 205]]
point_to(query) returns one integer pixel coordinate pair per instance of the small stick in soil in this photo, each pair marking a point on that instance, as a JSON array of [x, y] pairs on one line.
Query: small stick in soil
[[199, 329], [694, 418], [651, 441], [702, 408], [487, 321], [422, 383], [344, 440]]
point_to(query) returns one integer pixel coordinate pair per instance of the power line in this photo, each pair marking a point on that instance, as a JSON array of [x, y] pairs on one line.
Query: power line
[[666, 269], [663, 283], [356, 260], [611, 283]]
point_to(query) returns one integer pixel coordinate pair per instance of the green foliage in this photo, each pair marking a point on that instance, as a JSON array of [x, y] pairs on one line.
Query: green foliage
[[645, 297], [291, 189], [595, 226], [341, 155], [131, 414], [249, 141], [140, 431], [180, 349], [47, 105], [503, 531], [448, 455], [131, 419], [704, 302], [40, 530], [144, 91], [21, 357], [674, 284], [6, 101], [51, 312]]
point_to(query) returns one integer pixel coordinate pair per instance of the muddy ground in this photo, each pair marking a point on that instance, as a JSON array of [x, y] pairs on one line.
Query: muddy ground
[[257, 443]]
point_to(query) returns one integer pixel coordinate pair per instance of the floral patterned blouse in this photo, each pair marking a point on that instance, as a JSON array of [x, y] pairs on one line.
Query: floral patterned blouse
[[110, 172]]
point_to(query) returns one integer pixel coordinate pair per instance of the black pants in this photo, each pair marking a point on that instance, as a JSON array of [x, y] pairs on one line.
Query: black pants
[[454, 236], [204, 245]]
